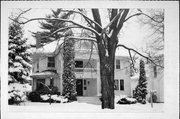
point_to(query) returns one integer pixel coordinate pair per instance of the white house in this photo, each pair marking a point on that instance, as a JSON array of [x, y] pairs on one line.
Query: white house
[[48, 69]]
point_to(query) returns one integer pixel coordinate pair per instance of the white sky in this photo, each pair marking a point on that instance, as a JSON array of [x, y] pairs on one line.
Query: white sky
[[131, 35]]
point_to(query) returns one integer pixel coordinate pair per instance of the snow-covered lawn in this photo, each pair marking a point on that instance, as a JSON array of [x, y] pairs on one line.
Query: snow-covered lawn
[[84, 107]]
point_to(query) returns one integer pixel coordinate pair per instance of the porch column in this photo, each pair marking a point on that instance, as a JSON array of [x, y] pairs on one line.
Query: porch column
[[34, 84], [98, 79]]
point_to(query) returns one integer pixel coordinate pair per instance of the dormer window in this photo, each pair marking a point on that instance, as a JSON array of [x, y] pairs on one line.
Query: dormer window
[[51, 62]]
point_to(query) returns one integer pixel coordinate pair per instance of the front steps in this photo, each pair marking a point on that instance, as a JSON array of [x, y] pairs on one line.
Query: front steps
[[90, 100]]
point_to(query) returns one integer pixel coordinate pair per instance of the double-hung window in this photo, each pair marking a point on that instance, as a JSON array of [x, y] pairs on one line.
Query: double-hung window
[[116, 84], [155, 71], [118, 66], [121, 84], [51, 62], [78, 64]]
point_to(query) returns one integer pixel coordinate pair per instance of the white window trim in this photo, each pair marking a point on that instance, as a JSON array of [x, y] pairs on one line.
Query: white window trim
[[119, 85]]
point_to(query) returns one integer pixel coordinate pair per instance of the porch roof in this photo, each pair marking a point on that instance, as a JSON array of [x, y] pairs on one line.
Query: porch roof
[[45, 74]]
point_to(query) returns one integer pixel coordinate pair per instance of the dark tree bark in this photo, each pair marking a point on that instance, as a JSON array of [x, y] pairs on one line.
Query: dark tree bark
[[106, 49]]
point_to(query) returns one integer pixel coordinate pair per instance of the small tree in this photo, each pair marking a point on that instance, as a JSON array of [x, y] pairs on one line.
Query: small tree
[[141, 91], [69, 84]]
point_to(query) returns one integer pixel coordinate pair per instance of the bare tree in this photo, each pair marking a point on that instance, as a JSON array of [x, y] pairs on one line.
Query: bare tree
[[107, 41], [155, 36]]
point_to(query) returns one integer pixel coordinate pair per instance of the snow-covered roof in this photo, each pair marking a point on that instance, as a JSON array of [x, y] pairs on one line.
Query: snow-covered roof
[[53, 47], [50, 47]]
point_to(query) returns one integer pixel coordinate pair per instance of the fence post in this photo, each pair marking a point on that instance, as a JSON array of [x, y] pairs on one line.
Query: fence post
[[151, 99]]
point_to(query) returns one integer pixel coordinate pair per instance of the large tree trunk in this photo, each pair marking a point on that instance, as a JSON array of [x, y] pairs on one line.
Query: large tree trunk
[[107, 82], [107, 57]]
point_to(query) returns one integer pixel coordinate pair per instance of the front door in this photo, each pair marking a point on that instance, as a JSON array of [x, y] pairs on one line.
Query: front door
[[79, 87]]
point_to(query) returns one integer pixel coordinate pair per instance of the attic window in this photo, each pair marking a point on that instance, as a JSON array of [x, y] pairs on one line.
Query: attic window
[[51, 62]]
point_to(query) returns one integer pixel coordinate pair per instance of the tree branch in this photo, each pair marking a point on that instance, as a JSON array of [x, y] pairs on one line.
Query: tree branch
[[137, 14], [65, 20], [85, 17], [130, 49], [97, 19], [113, 20], [23, 12], [131, 59]]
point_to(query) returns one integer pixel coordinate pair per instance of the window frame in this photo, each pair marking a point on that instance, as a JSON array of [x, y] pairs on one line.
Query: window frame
[[51, 62], [116, 84], [155, 71], [121, 85], [80, 65], [118, 64]]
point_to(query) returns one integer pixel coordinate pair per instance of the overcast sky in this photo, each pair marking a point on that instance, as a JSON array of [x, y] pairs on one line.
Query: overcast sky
[[132, 34]]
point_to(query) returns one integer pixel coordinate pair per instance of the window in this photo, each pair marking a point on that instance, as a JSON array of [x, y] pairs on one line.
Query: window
[[51, 81], [84, 82], [38, 66], [51, 62], [121, 84], [155, 71], [116, 84], [78, 64], [118, 66]]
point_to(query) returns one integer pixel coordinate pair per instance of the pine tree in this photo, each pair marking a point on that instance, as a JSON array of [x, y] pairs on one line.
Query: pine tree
[[19, 57], [141, 89], [69, 84], [50, 26]]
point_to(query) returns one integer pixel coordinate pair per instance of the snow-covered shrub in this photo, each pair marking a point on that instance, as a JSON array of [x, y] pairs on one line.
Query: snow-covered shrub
[[34, 96], [127, 100], [124, 99], [54, 99], [16, 93], [45, 90], [143, 101], [118, 97]]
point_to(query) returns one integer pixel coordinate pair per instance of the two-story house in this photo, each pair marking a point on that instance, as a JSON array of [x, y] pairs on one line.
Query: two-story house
[[48, 69]]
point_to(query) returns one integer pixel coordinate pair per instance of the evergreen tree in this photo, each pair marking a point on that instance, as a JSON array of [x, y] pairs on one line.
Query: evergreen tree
[[19, 56], [141, 89], [50, 26], [69, 83]]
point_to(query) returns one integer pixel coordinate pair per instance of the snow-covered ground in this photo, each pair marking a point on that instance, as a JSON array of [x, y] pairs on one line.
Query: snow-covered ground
[[84, 107]]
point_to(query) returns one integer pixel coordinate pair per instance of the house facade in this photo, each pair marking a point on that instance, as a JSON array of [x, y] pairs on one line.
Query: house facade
[[48, 69]]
